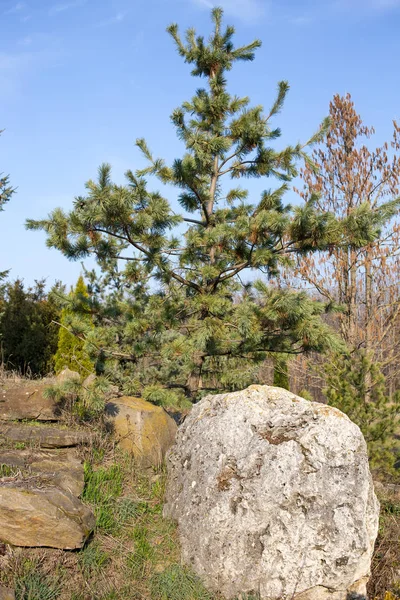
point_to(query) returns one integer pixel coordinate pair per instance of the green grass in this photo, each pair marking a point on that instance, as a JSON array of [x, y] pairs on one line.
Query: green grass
[[32, 584], [7, 471], [93, 559], [102, 488], [177, 583], [128, 509], [143, 552]]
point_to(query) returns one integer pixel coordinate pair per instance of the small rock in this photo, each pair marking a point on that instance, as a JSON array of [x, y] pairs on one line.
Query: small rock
[[89, 381], [47, 517], [67, 375], [141, 428], [43, 436]]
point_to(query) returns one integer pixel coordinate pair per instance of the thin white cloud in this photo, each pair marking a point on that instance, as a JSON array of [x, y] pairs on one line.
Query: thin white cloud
[[302, 20], [62, 7], [17, 68], [13, 62], [16, 8], [118, 18], [26, 41], [13, 67], [248, 10]]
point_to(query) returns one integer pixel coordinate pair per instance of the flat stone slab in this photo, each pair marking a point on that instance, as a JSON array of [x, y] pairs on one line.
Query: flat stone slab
[[47, 517], [61, 468], [43, 436], [26, 400]]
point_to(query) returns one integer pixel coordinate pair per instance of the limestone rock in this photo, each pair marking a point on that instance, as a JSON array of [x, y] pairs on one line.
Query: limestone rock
[[273, 494], [43, 517], [6, 593], [45, 437], [27, 401], [141, 428], [61, 468]]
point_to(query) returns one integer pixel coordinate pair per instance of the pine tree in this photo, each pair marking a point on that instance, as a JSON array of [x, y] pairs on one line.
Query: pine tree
[[28, 335], [6, 191], [356, 386], [70, 349], [281, 371], [180, 316]]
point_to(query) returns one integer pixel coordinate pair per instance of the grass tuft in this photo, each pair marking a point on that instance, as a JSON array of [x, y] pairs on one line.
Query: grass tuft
[[32, 584], [7, 471], [102, 487], [143, 553], [93, 559], [177, 583]]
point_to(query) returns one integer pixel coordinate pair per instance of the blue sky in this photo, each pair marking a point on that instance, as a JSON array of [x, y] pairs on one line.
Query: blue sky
[[80, 80]]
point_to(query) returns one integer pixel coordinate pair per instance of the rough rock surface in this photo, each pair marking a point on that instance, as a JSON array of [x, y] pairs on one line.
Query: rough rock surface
[[25, 400], [273, 494], [61, 468], [141, 428], [43, 517], [45, 437]]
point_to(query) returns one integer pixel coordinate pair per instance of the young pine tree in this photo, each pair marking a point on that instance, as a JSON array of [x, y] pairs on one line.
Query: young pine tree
[[70, 349], [356, 386], [181, 317]]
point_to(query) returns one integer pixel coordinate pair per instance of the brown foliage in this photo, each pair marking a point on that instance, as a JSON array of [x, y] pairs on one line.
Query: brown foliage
[[364, 280]]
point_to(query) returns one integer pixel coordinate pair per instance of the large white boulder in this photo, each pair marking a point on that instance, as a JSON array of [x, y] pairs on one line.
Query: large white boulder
[[273, 495]]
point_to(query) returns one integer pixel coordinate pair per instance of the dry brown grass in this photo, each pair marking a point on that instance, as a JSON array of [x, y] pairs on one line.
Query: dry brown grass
[[384, 583]]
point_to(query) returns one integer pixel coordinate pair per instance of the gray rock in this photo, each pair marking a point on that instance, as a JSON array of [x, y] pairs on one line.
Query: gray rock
[[89, 380], [273, 494], [67, 375]]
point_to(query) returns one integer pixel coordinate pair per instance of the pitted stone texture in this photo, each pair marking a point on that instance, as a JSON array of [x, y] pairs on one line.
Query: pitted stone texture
[[273, 494]]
